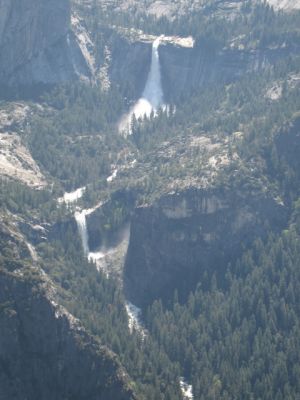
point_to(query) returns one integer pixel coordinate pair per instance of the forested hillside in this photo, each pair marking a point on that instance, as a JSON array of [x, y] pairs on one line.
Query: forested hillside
[[241, 340]]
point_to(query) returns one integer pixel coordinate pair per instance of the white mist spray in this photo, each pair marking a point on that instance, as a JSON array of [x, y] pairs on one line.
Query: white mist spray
[[152, 97]]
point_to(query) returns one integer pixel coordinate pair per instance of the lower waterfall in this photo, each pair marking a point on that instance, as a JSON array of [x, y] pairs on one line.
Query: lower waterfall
[[80, 218], [186, 389], [133, 312]]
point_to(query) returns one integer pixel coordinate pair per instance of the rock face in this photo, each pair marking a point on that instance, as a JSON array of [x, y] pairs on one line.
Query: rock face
[[45, 353], [130, 63], [102, 231], [37, 45], [40, 44], [185, 238], [184, 69]]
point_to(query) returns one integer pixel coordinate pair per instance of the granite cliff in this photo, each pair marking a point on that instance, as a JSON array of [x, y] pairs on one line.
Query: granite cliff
[[49, 43], [190, 235], [175, 204], [45, 353], [186, 69], [37, 44]]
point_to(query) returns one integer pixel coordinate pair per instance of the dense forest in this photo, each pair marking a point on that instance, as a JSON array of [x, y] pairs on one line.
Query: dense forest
[[241, 341]]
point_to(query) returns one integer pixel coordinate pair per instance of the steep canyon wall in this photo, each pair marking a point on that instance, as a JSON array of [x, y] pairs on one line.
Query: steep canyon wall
[[187, 237]]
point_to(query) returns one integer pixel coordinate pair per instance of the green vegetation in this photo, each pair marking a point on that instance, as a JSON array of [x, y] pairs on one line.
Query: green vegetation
[[242, 341], [75, 139], [99, 304], [235, 340]]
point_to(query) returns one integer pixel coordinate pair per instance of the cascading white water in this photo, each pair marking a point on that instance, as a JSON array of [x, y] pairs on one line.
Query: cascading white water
[[72, 197], [186, 389], [80, 218], [152, 97], [133, 312], [153, 92], [134, 319]]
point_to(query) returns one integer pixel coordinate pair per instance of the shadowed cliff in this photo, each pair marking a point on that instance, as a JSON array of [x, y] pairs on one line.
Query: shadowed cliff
[[45, 353]]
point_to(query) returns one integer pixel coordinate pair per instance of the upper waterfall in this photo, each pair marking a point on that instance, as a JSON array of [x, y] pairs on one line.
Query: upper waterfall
[[153, 92], [152, 97]]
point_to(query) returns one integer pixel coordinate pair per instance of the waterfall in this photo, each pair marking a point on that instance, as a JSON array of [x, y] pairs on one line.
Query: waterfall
[[153, 92], [152, 96], [186, 389], [72, 197], [133, 312], [80, 218], [135, 319]]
